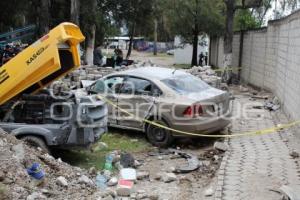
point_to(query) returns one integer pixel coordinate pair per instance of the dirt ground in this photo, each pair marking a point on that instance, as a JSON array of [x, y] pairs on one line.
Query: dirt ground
[[162, 59]]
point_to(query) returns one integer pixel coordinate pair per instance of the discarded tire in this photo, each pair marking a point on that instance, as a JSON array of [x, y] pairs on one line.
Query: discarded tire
[[158, 136]]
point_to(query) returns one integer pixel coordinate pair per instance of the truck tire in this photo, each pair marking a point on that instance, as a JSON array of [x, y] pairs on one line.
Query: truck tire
[[158, 136], [36, 142]]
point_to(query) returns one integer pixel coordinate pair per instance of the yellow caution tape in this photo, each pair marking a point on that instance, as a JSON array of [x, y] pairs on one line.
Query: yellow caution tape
[[227, 69], [249, 133]]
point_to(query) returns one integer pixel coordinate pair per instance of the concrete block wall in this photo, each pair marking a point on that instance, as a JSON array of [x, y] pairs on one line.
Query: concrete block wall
[[271, 60]]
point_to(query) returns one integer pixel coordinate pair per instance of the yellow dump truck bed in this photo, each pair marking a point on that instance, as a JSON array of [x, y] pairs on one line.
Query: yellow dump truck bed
[[49, 58]]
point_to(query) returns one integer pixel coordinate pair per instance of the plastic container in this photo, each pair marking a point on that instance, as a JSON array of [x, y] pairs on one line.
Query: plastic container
[[108, 162], [101, 181]]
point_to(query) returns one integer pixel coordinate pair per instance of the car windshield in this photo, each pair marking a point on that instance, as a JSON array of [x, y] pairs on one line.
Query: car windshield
[[184, 84]]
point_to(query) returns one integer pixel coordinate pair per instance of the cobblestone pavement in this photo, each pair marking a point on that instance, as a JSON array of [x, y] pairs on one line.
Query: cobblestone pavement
[[255, 165]]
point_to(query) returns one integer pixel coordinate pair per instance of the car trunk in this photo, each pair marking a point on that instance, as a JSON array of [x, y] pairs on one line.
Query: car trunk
[[214, 102]]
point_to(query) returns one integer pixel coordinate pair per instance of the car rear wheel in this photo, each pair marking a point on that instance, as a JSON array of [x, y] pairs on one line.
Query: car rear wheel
[[36, 142], [158, 136]]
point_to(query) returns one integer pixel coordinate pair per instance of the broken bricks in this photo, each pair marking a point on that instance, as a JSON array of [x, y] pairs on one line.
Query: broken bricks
[[124, 188]]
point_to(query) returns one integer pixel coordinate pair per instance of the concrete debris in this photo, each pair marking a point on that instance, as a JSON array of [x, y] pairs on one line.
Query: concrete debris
[[92, 171], [206, 74], [19, 151], [209, 192], [85, 180], [169, 177], [36, 196], [273, 104], [62, 181], [294, 154], [243, 89], [221, 146], [142, 175]]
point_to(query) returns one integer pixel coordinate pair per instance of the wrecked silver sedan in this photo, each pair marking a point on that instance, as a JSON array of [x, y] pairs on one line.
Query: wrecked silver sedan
[[172, 98]]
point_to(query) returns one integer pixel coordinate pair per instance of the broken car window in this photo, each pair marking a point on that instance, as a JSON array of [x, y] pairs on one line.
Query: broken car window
[[184, 84], [109, 85], [137, 86]]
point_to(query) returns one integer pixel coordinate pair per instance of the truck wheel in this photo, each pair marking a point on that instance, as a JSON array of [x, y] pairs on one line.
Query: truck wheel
[[158, 136], [36, 142]]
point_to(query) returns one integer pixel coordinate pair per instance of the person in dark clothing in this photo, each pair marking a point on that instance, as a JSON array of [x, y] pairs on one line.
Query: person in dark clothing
[[7, 54], [98, 56], [206, 59], [201, 58], [17, 49]]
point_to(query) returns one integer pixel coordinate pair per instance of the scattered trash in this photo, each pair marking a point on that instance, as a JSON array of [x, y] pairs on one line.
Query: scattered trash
[[101, 181], [128, 174], [221, 146], [108, 162], [193, 162], [113, 181], [124, 187], [127, 160], [273, 104], [36, 171]]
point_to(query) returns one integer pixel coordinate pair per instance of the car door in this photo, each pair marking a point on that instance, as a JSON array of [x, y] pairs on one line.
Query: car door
[[109, 88], [136, 97]]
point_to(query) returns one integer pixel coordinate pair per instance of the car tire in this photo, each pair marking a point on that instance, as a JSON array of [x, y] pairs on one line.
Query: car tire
[[158, 136], [36, 142]]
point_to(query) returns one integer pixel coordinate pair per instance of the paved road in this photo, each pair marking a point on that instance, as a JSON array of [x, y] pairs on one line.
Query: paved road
[[256, 165]]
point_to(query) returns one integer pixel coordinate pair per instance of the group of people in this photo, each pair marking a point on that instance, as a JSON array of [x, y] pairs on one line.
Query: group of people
[[9, 52], [203, 59], [115, 60]]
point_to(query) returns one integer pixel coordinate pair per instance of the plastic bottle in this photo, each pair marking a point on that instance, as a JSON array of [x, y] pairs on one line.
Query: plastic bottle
[[108, 162], [101, 181]]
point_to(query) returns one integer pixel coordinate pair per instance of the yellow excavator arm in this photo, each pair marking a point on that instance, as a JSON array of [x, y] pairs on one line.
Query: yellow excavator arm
[[46, 60]]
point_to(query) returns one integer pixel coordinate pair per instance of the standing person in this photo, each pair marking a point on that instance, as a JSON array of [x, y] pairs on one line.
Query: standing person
[[98, 56], [7, 54], [206, 59], [201, 58], [17, 49]]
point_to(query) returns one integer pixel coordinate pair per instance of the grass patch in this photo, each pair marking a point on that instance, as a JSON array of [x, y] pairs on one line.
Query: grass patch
[[115, 140]]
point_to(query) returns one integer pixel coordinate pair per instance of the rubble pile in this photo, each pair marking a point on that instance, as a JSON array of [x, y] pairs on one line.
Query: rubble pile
[[207, 74], [92, 73], [55, 180]]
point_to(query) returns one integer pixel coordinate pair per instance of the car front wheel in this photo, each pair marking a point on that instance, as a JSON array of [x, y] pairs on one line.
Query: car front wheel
[[159, 136]]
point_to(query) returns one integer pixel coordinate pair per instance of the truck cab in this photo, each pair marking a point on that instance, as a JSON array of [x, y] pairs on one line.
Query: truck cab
[[38, 115]]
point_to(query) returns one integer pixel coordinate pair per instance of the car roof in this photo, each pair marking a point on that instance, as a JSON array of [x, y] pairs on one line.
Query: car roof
[[159, 73]]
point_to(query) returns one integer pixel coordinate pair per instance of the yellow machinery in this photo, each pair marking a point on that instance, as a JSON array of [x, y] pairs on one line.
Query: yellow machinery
[[49, 58]]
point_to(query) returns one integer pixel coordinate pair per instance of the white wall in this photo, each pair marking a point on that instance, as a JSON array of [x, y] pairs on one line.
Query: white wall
[[184, 52], [271, 60]]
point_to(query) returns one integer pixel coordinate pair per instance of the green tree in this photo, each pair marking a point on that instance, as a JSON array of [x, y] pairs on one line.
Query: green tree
[[191, 18]]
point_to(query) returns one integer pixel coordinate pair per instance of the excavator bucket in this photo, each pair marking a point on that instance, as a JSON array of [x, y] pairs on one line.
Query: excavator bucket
[[46, 60]]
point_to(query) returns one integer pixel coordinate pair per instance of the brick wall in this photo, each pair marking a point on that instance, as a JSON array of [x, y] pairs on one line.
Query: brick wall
[[270, 60]]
